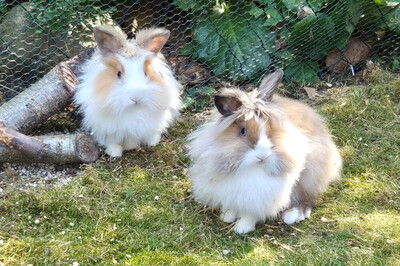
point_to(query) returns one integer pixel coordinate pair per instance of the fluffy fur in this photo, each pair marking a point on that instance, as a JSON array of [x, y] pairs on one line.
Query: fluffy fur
[[262, 154], [127, 92]]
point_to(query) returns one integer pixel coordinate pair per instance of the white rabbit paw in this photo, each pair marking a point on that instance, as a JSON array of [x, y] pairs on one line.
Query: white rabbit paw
[[296, 214], [153, 140], [245, 225], [131, 144], [114, 150], [229, 216]]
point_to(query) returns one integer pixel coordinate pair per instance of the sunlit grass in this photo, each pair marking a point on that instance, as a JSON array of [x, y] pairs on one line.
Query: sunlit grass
[[138, 210]]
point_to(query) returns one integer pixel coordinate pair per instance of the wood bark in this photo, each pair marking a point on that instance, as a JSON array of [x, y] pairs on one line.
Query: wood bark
[[44, 98], [69, 148], [20, 142]]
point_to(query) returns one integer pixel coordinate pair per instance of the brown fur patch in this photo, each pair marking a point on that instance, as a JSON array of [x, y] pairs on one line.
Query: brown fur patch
[[108, 77], [252, 131], [232, 132], [151, 73]]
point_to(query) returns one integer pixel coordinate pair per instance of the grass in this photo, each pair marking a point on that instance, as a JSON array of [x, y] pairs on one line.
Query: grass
[[111, 214]]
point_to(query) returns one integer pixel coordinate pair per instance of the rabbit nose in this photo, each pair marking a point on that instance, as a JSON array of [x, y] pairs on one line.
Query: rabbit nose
[[134, 100], [261, 159]]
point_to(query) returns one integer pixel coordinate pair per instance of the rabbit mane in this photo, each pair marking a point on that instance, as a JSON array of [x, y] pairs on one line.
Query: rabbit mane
[[127, 92], [260, 154]]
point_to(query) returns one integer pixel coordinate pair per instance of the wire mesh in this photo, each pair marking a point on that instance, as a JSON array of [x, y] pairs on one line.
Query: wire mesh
[[211, 41]]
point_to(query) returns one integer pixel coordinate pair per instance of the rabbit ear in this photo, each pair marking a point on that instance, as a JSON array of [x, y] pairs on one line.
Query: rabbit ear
[[152, 39], [108, 39], [226, 105], [269, 83]]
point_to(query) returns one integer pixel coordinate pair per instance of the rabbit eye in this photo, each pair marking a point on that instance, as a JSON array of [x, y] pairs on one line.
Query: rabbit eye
[[119, 74], [243, 131]]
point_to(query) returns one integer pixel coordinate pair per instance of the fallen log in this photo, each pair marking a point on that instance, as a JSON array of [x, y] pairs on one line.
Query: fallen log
[[20, 142], [69, 148], [44, 98]]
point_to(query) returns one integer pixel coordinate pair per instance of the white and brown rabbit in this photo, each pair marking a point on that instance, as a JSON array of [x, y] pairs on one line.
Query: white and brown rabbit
[[127, 92], [262, 154]]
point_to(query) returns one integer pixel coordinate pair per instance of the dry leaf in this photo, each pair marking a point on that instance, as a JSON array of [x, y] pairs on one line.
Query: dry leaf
[[311, 92], [279, 44], [324, 220], [10, 173], [380, 34], [189, 72], [286, 247], [348, 255]]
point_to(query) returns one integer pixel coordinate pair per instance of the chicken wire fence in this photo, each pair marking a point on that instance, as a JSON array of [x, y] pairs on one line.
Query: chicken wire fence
[[211, 41]]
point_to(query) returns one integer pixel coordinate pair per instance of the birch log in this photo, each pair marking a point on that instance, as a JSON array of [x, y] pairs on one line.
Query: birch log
[[69, 148], [44, 98]]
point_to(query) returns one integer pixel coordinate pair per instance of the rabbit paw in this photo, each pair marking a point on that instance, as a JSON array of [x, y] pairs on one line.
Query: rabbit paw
[[114, 150], [245, 224], [229, 216], [153, 140], [131, 144], [296, 214]]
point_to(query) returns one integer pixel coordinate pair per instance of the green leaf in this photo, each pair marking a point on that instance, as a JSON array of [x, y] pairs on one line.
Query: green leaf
[[200, 104], [372, 91], [315, 4], [395, 64], [394, 20], [356, 92], [192, 92], [273, 17], [233, 44], [185, 4], [312, 36], [344, 15], [128, 194], [194, 5], [188, 101], [58, 15], [206, 90], [284, 55], [266, 2], [293, 4], [3, 10], [255, 11], [306, 71], [187, 49], [372, 16]]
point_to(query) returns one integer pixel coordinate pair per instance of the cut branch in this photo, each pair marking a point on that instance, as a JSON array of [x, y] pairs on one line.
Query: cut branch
[[44, 98], [20, 142], [70, 148]]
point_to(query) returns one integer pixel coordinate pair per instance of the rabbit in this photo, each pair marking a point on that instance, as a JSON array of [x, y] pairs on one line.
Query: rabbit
[[260, 155], [127, 93]]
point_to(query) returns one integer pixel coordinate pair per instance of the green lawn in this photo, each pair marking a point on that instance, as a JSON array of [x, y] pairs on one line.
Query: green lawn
[[111, 214]]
